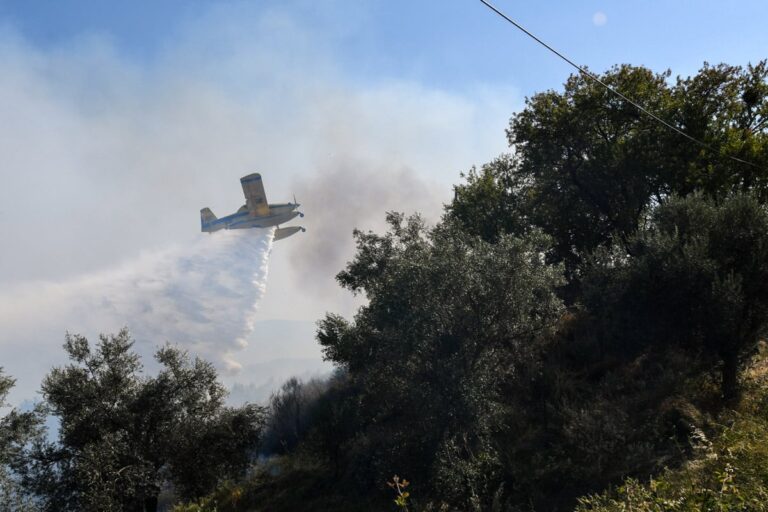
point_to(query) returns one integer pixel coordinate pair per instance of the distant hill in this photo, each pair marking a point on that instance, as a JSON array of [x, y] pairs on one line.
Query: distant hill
[[278, 350]]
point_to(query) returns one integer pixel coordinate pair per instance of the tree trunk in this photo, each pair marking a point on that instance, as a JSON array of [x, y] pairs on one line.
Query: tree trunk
[[730, 378]]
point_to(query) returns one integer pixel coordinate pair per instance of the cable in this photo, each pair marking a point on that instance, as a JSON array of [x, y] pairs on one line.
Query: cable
[[611, 89]]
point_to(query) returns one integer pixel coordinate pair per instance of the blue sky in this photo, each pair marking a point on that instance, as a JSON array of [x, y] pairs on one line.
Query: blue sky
[[122, 119], [450, 44]]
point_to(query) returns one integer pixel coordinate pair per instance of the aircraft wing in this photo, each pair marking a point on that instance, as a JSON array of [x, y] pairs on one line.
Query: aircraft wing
[[255, 198]]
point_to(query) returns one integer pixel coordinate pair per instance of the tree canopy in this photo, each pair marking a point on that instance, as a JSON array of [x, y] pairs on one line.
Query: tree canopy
[[697, 278], [466, 370], [587, 164], [125, 436], [450, 320], [17, 430]]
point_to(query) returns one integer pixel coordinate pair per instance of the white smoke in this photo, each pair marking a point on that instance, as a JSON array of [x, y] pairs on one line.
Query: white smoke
[[201, 295], [106, 159]]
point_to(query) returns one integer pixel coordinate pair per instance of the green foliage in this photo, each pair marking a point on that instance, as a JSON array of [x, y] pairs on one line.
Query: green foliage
[[726, 474], [13, 497], [587, 164], [125, 436], [617, 387], [695, 279], [493, 200], [291, 414], [593, 158], [17, 431], [450, 319], [228, 497]]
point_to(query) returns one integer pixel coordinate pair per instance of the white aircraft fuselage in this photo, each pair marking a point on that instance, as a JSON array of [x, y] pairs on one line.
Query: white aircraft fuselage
[[255, 213], [244, 219]]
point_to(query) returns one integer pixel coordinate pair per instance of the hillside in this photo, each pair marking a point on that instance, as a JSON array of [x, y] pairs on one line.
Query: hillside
[[729, 470]]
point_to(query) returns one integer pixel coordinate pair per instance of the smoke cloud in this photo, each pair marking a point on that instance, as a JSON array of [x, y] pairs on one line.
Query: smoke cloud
[[106, 163], [353, 195]]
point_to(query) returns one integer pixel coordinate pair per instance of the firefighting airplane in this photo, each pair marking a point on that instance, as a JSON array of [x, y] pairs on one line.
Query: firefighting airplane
[[255, 213]]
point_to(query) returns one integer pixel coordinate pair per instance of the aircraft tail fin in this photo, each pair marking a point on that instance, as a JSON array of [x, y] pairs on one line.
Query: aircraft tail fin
[[206, 217]]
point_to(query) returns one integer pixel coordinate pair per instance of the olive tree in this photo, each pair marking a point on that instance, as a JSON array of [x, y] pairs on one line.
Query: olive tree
[[125, 436], [450, 319], [696, 277]]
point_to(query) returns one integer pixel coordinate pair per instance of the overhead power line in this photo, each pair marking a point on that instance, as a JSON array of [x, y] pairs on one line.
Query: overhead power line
[[597, 79]]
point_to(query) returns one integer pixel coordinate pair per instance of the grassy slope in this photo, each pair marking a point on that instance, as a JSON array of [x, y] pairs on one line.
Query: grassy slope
[[728, 473]]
